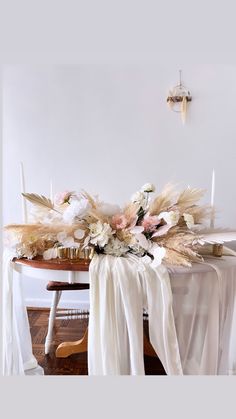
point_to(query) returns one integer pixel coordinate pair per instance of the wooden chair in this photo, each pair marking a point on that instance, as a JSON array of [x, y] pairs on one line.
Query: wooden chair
[[57, 288]]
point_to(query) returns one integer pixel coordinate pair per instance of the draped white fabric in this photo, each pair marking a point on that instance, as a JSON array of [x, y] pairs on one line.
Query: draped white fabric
[[119, 290], [17, 353], [192, 317], [204, 307]]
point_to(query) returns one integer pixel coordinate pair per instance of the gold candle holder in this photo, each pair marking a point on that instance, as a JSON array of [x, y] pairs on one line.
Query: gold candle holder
[[74, 253], [217, 249], [62, 252]]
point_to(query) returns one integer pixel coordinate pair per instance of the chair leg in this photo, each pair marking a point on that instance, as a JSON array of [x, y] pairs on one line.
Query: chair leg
[[51, 320]]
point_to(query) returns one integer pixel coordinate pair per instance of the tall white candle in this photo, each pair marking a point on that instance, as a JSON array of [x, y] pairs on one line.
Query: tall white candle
[[51, 190], [212, 224], [23, 201]]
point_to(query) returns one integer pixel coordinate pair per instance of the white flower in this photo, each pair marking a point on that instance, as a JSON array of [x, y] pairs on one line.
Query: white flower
[[79, 234], [116, 248], [50, 253], [140, 198], [142, 241], [188, 218], [158, 254], [77, 208], [148, 187], [137, 229], [66, 241], [171, 218], [100, 233]]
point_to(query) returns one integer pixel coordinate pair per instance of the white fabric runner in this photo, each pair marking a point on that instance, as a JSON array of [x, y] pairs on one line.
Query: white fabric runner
[[204, 313], [18, 358], [119, 290], [204, 307]]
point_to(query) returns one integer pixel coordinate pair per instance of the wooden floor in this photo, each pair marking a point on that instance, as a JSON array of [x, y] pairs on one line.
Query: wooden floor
[[69, 330]]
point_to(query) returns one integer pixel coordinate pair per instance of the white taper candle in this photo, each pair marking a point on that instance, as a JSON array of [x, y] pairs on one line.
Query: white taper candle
[[23, 201], [51, 190], [212, 224]]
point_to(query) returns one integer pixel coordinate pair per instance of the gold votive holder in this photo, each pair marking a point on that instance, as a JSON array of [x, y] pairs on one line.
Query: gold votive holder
[[62, 252], [74, 253], [217, 249]]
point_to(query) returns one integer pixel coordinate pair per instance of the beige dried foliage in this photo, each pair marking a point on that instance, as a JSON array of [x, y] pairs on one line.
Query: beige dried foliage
[[173, 257], [189, 197], [39, 200], [200, 213], [180, 246], [31, 240], [95, 215], [90, 199], [164, 200]]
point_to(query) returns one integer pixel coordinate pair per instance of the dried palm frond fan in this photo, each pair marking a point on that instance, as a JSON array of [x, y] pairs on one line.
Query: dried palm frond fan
[[178, 98]]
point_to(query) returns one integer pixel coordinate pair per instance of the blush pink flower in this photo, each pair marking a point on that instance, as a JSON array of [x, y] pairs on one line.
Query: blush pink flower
[[149, 223], [119, 221], [62, 197]]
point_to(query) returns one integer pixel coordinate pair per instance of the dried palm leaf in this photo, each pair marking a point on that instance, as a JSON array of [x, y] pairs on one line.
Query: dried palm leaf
[[39, 200], [89, 198]]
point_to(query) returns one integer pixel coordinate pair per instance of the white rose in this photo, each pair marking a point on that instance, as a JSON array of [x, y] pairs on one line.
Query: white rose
[[188, 218], [158, 253], [77, 208], [140, 198], [116, 248], [50, 253], [148, 187], [100, 233], [171, 218]]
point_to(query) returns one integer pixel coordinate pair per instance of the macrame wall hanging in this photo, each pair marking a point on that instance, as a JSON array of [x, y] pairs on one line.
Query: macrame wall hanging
[[178, 98]]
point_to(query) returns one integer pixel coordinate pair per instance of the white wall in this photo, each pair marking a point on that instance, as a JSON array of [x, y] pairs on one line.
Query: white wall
[[108, 129]]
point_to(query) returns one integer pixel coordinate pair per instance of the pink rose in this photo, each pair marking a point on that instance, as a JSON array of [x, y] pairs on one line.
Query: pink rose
[[119, 221], [149, 223]]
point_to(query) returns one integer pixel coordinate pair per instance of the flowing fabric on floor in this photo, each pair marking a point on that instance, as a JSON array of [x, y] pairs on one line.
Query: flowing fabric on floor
[[18, 358], [204, 312], [120, 288], [204, 306]]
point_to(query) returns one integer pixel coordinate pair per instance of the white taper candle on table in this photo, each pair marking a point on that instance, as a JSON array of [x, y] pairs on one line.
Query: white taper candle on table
[[212, 224], [51, 190], [23, 201]]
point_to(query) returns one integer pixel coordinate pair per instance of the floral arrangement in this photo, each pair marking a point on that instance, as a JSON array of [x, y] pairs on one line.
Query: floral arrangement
[[163, 228]]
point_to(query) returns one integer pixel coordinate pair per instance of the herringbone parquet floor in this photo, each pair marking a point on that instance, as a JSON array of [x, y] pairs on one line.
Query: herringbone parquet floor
[[69, 330]]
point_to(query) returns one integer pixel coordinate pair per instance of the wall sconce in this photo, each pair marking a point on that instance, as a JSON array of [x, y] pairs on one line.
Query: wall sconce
[[178, 98]]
